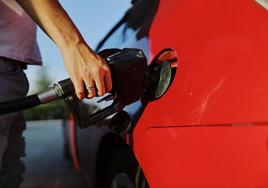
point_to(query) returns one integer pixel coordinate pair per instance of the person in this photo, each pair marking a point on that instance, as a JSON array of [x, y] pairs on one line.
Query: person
[[18, 48]]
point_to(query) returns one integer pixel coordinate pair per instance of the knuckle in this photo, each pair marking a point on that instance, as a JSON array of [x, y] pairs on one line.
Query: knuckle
[[75, 79], [106, 67], [79, 90], [85, 73], [100, 92], [95, 71], [79, 94], [90, 96]]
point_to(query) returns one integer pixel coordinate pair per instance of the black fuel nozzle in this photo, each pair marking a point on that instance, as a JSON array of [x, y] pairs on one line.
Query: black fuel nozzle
[[132, 80], [128, 70]]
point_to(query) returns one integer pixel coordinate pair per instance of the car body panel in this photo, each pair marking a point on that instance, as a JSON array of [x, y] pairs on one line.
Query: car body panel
[[210, 128], [223, 156], [222, 51]]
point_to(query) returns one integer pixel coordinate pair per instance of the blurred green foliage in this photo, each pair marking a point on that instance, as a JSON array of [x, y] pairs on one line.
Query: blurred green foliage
[[44, 80], [53, 110]]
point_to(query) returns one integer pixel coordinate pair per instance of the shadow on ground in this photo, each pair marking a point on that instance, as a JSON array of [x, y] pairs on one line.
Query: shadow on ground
[[44, 161]]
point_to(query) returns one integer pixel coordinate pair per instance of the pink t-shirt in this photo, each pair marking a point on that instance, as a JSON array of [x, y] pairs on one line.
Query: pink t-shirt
[[17, 34]]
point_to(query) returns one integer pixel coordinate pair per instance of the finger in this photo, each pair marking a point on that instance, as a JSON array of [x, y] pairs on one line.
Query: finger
[[90, 87], [108, 80], [99, 81], [79, 87]]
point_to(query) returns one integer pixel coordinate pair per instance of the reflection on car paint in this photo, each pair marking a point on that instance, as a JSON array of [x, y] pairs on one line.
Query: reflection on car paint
[[263, 3]]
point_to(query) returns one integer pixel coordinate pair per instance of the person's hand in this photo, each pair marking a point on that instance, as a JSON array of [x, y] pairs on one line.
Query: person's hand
[[87, 70]]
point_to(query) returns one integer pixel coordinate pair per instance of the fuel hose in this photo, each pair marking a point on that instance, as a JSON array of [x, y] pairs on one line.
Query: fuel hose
[[28, 102], [19, 104]]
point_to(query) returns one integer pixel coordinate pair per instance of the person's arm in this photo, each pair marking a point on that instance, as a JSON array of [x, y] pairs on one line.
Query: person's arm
[[83, 65]]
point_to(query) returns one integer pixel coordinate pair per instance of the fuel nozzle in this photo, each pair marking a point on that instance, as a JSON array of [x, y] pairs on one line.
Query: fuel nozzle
[[132, 80], [128, 70]]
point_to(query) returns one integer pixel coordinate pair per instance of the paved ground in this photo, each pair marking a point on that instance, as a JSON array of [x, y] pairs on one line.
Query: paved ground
[[45, 163]]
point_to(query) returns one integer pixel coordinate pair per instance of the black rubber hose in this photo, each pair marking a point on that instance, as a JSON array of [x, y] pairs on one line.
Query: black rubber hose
[[20, 104]]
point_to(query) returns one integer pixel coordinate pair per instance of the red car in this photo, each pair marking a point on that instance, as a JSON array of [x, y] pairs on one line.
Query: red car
[[210, 128]]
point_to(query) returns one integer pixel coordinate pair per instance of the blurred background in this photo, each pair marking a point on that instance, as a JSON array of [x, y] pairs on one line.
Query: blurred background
[[46, 165]]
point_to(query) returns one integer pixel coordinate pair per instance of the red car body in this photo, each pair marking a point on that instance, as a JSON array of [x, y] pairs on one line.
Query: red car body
[[211, 127]]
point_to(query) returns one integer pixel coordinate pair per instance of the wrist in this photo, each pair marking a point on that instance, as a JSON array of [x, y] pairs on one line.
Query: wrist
[[79, 51], [68, 43]]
